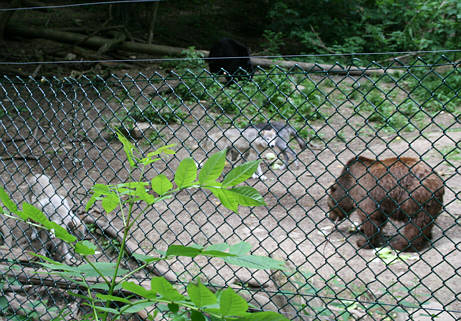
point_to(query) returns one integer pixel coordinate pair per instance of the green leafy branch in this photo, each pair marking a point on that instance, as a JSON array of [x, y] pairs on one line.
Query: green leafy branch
[[197, 302]]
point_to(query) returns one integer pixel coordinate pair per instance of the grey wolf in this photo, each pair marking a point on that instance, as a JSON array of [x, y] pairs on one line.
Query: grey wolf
[[284, 132], [404, 189], [45, 197], [232, 58], [25, 236], [246, 143]]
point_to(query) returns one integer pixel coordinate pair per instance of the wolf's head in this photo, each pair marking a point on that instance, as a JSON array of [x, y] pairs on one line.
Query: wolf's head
[[269, 136]]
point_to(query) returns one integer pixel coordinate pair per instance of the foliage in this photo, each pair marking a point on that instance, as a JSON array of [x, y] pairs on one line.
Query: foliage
[[367, 26], [451, 154], [273, 43], [193, 59], [439, 90], [196, 301], [338, 299], [275, 94], [158, 112]]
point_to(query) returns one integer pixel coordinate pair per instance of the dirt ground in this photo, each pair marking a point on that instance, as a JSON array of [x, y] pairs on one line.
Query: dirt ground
[[70, 138]]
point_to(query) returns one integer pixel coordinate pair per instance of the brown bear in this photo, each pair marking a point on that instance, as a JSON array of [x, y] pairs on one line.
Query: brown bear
[[404, 189]]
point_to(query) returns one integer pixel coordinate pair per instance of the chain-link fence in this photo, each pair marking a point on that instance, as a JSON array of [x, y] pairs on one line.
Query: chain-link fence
[[406, 107]]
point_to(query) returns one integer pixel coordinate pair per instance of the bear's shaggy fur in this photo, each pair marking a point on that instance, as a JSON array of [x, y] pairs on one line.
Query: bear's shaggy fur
[[404, 189]]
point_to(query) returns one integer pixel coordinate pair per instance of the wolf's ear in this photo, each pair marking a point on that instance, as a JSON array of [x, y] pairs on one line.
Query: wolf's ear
[[269, 134]]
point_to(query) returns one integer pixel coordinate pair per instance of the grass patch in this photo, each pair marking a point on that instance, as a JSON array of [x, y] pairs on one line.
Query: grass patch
[[450, 154], [158, 112]]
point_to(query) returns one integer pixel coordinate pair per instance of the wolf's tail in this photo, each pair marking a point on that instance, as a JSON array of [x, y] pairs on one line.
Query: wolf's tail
[[301, 142]]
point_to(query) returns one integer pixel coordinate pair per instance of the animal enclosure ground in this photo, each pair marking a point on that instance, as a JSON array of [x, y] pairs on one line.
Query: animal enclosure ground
[[73, 145]]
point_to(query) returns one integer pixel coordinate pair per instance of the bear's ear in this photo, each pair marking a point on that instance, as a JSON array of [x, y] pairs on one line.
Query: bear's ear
[[333, 188]]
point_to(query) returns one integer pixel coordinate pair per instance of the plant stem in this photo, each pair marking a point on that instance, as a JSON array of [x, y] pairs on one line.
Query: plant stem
[[93, 307], [113, 283], [122, 249], [97, 270]]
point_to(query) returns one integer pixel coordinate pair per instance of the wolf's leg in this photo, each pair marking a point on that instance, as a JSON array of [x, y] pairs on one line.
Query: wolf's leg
[[293, 153], [252, 155]]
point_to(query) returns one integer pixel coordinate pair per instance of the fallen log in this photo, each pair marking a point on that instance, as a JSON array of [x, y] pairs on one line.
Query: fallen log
[[314, 67], [98, 42], [94, 41]]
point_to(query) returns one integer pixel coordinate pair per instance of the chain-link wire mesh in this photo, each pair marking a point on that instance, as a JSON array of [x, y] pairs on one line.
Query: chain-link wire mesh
[[408, 107]]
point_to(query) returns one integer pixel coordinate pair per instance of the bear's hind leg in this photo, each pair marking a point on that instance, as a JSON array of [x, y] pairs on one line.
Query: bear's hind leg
[[417, 232]]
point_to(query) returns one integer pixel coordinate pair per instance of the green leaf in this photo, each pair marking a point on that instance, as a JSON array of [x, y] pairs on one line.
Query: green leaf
[[240, 249], [37, 216], [161, 286], [128, 147], [247, 196], [164, 149], [212, 168], [4, 304], [197, 316], [214, 253], [217, 250], [95, 286], [48, 260], [33, 213], [231, 304], [9, 204], [109, 298], [110, 202], [104, 309], [240, 173], [186, 173], [98, 190], [200, 295], [151, 157], [139, 290], [256, 262], [129, 188], [61, 233], [174, 308], [161, 184], [264, 316], [101, 189], [146, 258], [142, 194], [218, 247], [181, 250], [85, 248], [147, 161], [105, 268], [227, 198]]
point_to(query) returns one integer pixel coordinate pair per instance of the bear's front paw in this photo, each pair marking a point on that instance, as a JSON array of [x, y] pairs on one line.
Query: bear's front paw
[[405, 246], [364, 244]]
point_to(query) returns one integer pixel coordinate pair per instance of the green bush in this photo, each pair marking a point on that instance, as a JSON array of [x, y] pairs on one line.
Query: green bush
[[158, 112], [365, 26]]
